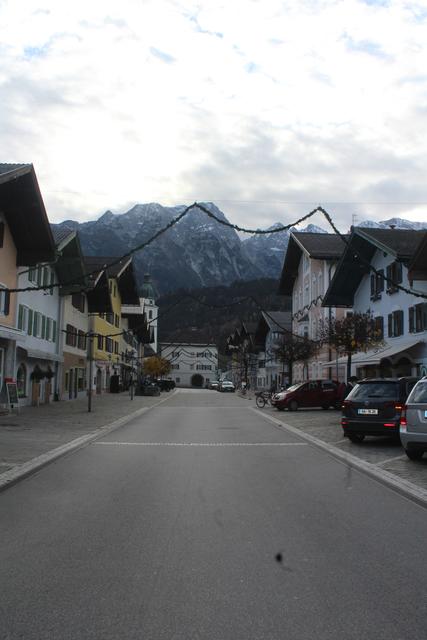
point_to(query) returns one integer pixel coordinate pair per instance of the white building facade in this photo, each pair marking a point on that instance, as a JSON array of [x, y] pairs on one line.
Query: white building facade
[[399, 315], [192, 365]]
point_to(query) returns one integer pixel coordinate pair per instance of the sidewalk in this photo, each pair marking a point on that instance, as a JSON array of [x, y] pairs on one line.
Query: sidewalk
[[38, 435]]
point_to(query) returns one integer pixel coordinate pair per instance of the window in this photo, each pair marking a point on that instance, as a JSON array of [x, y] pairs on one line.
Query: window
[[23, 317], [81, 340], [117, 320], [70, 335], [377, 284], [204, 367], [100, 341], [379, 326], [394, 276], [32, 274], [52, 282], [174, 366], [45, 276], [78, 301], [109, 317], [395, 324], [417, 318], [116, 347], [37, 324], [150, 315], [109, 345], [81, 379], [53, 330]]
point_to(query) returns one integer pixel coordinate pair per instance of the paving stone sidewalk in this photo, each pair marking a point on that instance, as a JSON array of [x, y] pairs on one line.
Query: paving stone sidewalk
[[35, 431]]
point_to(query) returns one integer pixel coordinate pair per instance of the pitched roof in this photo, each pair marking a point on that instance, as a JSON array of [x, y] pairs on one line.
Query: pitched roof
[[23, 208], [122, 270], [319, 246], [278, 321], [418, 265], [6, 167], [61, 233], [102, 263], [400, 244]]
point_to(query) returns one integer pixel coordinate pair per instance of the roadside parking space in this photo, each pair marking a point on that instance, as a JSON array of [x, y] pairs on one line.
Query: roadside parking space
[[385, 453]]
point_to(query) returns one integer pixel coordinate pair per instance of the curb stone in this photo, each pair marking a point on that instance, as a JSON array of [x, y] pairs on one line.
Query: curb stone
[[19, 472]]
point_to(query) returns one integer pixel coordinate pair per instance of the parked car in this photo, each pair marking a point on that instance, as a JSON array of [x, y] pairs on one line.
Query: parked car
[[165, 385], [313, 393], [413, 422], [226, 385], [373, 407], [148, 389], [214, 385]]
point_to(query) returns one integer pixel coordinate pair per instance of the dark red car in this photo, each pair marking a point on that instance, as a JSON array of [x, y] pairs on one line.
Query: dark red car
[[313, 393]]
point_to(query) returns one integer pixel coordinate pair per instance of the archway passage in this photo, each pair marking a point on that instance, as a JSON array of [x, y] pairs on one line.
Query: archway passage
[[197, 380]]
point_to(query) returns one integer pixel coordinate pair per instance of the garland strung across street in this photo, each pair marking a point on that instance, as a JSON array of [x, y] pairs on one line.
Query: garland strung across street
[[236, 227]]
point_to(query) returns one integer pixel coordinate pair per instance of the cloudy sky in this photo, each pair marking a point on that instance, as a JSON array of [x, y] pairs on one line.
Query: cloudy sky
[[265, 107]]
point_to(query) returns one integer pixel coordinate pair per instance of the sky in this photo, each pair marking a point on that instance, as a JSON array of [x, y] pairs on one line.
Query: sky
[[267, 108]]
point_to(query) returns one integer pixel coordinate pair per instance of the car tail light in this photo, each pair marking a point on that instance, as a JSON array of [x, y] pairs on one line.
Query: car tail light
[[389, 424], [403, 421], [344, 423], [397, 406]]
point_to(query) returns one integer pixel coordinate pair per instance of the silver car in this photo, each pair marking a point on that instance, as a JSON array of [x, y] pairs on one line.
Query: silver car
[[413, 422]]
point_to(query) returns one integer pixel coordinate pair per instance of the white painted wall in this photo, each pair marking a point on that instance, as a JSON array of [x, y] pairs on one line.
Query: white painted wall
[[189, 359]]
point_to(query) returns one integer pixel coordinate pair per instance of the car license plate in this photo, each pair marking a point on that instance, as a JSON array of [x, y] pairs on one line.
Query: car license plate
[[368, 412]]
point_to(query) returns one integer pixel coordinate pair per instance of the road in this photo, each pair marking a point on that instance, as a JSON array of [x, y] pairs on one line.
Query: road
[[202, 520]]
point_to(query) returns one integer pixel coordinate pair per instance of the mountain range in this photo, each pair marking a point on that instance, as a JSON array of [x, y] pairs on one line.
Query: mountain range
[[195, 252]]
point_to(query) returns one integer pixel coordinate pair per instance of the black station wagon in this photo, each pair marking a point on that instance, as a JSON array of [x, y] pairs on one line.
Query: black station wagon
[[374, 406]]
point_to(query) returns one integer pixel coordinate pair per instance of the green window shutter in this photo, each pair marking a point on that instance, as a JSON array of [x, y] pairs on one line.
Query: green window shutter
[[30, 322], [35, 323], [54, 331], [20, 316], [43, 327]]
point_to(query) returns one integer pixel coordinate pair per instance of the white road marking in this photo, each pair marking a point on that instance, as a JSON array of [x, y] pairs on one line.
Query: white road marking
[[203, 444]]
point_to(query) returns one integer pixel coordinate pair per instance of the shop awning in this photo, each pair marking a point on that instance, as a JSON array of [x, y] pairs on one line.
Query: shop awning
[[41, 355], [375, 356]]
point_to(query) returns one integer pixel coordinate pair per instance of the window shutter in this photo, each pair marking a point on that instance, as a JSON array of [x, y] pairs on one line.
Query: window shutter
[[390, 325], [372, 285], [380, 280], [54, 331], [389, 277], [398, 272], [411, 312], [399, 322], [20, 316], [43, 327], [30, 322], [6, 302]]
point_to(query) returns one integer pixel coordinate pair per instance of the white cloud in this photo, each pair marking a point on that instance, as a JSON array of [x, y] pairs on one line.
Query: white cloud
[[280, 102]]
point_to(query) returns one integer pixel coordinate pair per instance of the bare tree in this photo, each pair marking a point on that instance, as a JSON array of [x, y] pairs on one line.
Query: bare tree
[[356, 332], [293, 349]]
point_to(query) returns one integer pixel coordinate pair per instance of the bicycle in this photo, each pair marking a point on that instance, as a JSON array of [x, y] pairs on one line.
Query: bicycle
[[263, 398]]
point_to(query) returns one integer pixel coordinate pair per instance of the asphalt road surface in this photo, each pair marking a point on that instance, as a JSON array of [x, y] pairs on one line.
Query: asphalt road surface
[[201, 520]]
